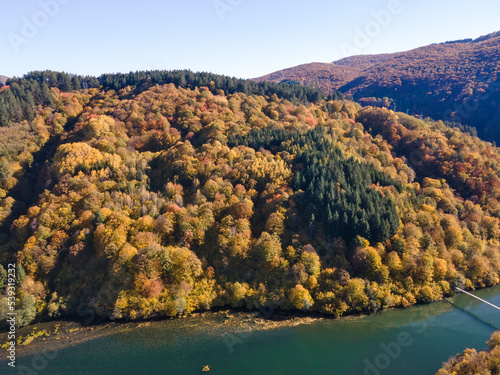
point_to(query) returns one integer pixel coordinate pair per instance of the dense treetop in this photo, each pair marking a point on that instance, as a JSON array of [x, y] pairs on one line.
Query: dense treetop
[[33, 89], [129, 197]]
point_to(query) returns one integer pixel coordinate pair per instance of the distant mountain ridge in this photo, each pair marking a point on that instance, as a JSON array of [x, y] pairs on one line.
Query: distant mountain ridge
[[454, 81], [3, 79], [326, 76]]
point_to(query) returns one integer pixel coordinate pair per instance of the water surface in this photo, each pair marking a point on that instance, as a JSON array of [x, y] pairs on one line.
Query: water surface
[[411, 341]]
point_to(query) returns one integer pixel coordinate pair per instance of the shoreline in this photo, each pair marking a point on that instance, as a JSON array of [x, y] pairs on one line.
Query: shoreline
[[51, 336], [59, 334], [56, 335]]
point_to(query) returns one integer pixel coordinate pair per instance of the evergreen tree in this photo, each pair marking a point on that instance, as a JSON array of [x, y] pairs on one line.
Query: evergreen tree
[[46, 96], [64, 82], [28, 105], [4, 115], [20, 275], [3, 278], [4, 174], [76, 83]]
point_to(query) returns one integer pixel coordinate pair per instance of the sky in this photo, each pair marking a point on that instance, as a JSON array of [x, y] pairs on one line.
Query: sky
[[241, 38]]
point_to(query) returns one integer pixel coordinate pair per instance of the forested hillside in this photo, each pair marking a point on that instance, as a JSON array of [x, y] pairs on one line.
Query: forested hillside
[[155, 194], [18, 103], [454, 81]]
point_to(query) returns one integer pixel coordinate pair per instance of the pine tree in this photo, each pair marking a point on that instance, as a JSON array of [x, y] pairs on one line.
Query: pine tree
[[13, 107], [3, 172], [65, 82], [76, 83], [3, 278], [4, 116], [20, 275], [99, 218], [47, 96], [28, 105]]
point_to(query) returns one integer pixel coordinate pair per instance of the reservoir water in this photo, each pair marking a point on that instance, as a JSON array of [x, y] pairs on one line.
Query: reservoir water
[[409, 341]]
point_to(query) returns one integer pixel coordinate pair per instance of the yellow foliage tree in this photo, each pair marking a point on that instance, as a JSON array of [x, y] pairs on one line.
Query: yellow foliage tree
[[98, 126], [70, 156], [300, 298]]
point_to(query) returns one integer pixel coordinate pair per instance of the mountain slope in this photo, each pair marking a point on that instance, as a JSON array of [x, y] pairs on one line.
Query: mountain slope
[[326, 76], [3, 79], [454, 81], [156, 200]]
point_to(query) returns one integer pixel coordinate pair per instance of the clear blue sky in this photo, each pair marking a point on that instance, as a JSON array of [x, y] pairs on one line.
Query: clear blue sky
[[243, 38]]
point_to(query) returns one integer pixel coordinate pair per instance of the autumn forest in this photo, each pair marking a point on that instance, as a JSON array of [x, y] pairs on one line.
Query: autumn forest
[[156, 194]]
